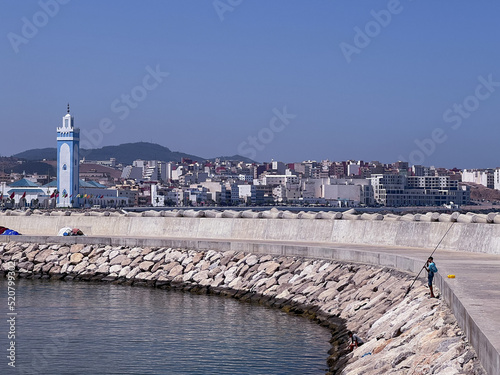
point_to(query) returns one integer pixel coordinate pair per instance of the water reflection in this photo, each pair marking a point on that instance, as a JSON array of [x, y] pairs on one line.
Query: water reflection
[[82, 328]]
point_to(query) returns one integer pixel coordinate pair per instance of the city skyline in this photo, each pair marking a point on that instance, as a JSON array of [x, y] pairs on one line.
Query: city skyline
[[385, 80]]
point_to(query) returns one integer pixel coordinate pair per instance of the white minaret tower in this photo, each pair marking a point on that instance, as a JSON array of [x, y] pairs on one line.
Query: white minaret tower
[[68, 163]]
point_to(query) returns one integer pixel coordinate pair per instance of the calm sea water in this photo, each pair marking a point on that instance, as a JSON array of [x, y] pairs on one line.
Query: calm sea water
[[81, 328]]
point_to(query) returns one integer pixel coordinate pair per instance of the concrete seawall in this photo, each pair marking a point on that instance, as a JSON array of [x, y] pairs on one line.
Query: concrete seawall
[[471, 237], [402, 245]]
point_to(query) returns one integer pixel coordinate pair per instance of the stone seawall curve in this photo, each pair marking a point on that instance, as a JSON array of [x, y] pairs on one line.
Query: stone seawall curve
[[416, 333]]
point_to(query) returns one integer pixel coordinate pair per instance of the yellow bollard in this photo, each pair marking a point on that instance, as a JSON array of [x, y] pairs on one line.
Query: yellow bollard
[[451, 276]]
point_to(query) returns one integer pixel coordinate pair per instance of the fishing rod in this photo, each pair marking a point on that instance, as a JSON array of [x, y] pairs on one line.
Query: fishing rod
[[439, 243]]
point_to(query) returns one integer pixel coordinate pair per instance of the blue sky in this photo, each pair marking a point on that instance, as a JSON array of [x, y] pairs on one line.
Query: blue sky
[[284, 80]]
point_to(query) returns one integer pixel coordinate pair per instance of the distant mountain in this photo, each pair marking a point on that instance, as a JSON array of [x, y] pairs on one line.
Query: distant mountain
[[31, 167], [15, 165], [38, 154], [125, 153], [128, 152]]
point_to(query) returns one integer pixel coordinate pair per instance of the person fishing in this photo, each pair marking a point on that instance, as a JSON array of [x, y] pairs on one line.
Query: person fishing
[[356, 341], [431, 269], [427, 266]]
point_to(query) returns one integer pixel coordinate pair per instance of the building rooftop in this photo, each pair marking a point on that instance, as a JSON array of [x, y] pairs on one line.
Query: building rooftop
[[91, 184], [30, 191], [23, 183], [51, 184]]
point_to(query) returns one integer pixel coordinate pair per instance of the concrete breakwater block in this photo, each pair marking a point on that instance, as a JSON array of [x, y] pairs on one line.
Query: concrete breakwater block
[[173, 213], [477, 218], [350, 214], [392, 217], [329, 215], [94, 213], [231, 214], [472, 218], [193, 213], [491, 217], [351, 217], [464, 218], [249, 214], [289, 215], [410, 217], [367, 216], [60, 213], [482, 218], [434, 216], [446, 218], [428, 217], [213, 214], [151, 213], [269, 214], [307, 215]]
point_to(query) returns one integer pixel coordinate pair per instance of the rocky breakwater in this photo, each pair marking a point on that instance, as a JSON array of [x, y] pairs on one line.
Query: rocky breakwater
[[412, 335]]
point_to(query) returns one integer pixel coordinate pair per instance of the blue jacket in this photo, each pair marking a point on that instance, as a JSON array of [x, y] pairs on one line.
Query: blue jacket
[[432, 268]]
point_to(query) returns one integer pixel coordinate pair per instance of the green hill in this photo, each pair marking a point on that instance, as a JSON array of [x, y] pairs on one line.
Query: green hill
[[30, 167], [38, 154], [125, 153]]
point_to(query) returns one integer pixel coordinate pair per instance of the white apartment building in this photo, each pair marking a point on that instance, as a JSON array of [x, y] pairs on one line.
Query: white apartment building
[[342, 192], [431, 182], [245, 192], [396, 190], [354, 190], [485, 177], [496, 179], [157, 200]]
